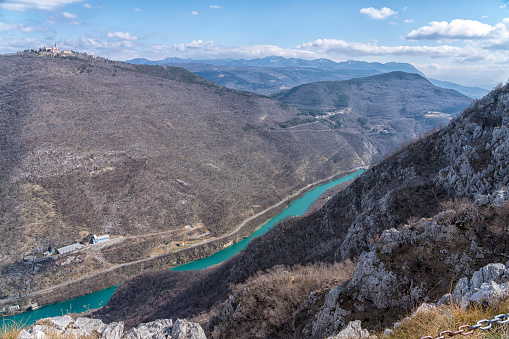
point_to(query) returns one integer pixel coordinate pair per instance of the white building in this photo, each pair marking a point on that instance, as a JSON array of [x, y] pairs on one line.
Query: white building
[[97, 239], [70, 248], [14, 308]]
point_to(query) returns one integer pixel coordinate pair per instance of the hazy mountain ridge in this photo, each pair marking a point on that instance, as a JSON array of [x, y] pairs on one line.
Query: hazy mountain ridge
[[272, 74], [281, 62], [472, 92], [378, 219]]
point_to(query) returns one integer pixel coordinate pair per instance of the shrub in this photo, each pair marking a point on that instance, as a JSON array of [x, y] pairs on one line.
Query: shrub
[[269, 299]]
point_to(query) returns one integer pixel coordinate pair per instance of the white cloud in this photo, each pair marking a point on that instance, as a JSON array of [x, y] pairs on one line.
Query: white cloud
[[89, 6], [65, 17], [456, 29], [361, 49], [115, 45], [24, 5], [409, 21], [6, 26], [378, 14], [199, 49], [90, 43], [475, 33], [216, 7], [68, 15], [121, 35], [194, 13], [17, 44], [196, 44], [138, 10]]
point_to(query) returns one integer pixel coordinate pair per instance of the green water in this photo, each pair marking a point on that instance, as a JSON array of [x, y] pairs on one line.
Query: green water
[[76, 305], [98, 299], [296, 208]]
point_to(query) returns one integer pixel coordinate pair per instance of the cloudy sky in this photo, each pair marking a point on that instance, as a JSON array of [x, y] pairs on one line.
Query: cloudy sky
[[463, 41]]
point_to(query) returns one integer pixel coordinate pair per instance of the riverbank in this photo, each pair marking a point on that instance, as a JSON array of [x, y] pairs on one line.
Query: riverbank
[[118, 273]]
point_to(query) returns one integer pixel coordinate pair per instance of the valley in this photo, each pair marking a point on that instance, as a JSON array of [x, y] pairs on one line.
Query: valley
[[146, 153], [101, 175], [304, 199], [254, 169]]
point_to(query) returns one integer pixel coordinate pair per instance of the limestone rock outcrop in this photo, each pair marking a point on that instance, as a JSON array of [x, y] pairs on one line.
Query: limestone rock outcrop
[[489, 283], [66, 327], [353, 330], [413, 263]]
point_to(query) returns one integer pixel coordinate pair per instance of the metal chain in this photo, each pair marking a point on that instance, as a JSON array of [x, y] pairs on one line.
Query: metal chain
[[484, 324]]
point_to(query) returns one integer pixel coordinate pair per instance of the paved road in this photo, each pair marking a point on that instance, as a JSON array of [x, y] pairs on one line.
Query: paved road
[[114, 267]]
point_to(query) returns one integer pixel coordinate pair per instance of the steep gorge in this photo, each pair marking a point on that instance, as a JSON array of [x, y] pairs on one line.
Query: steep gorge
[[432, 211]]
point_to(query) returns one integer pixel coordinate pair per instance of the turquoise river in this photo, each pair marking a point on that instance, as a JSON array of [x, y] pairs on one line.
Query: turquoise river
[[98, 299]]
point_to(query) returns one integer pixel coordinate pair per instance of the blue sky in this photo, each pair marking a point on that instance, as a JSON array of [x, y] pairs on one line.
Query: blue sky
[[463, 41]]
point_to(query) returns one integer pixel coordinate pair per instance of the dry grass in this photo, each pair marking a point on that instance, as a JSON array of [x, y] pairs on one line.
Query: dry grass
[[269, 299], [450, 318], [10, 330]]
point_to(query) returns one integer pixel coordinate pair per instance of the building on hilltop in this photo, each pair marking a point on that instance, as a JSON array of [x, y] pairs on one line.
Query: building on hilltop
[[54, 50]]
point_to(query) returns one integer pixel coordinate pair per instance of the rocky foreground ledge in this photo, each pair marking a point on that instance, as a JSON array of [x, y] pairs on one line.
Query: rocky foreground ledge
[[66, 327]]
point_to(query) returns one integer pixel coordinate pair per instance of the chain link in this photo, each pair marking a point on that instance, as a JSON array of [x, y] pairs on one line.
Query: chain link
[[484, 324]]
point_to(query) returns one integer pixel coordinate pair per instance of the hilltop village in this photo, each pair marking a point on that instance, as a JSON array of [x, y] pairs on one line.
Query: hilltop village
[[56, 51]]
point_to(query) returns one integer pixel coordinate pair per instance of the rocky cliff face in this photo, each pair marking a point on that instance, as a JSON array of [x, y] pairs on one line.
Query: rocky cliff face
[[459, 172], [466, 159]]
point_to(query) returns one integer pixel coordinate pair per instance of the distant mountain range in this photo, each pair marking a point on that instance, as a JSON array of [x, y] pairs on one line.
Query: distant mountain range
[[281, 62], [273, 74]]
